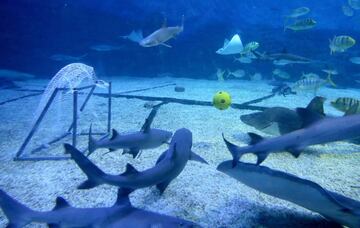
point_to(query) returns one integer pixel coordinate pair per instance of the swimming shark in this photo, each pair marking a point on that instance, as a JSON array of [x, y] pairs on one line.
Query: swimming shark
[[305, 193], [121, 214], [169, 165], [160, 36], [281, 120], [132, 143], [324, 130], [283, 58]]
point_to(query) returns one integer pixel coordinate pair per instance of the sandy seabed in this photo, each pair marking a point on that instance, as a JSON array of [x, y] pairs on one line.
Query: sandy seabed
[[200, 193]]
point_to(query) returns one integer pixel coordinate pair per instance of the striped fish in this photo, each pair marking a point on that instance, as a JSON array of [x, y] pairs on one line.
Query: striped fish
[[303, 24], [341, 44], [311, 82], [345, 104]]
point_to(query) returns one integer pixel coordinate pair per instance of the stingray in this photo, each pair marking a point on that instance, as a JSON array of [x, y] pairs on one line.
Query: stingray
[[234, 46], [305, 193], [281, 120]]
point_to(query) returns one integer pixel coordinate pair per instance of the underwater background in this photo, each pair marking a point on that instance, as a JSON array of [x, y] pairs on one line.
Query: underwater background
[[34, 30]]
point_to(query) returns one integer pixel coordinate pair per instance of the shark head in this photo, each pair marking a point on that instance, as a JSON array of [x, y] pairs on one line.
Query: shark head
[[161, 135], [148, 42]]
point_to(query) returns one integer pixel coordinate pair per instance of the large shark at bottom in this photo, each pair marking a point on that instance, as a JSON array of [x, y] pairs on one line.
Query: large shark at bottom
[[323, 131], [310, 195], [169, 165], [121, 214]]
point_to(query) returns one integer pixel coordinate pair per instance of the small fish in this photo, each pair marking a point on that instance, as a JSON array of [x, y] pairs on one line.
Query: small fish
[[243, 59], [355, 4], [256, 77], [67, 58], [249, 47], [281, 74], [303, 24], [347, 11], [105, 47], [345, 104], [330, 71], [312, 82], [355, 60], [341, 44], [238, 73], [301, 11]]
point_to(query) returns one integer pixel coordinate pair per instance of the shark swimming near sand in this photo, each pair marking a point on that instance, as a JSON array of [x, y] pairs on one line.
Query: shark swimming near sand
[[121, 214], [159, 37], [324, 130], [169, 165], [132, 143], [305, 193], [283, 58]]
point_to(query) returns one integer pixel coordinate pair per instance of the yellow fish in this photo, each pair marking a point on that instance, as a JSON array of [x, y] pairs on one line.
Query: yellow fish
[[345, 104], [341, 44]]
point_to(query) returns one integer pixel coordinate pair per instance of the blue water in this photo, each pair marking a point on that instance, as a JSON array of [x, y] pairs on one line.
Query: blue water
[[34, 30]]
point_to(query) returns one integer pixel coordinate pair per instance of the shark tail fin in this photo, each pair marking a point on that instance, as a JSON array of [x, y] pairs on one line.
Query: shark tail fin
[[94, 174], [18, 214], [329, 79], [182, 22], [92, 142]]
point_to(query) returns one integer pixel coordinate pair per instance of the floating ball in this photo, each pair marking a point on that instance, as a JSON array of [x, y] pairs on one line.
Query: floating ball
[[222, 100]]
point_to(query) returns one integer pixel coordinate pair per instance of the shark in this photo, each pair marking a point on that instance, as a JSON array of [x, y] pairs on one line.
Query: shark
[[323, 130], [168, 166], [305, 193], [283, 58], [158, 37], [121, 214], [281, 120], [132, 143]]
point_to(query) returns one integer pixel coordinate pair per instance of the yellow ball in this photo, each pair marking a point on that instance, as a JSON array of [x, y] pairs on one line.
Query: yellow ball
[[222, 100]]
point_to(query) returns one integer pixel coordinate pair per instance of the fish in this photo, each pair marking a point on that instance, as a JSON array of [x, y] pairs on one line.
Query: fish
[[67, 58], [243, 59], [298, 12], [341, 43], [132, 143], [283, 58], [312, 82], [249, 47], [303, 192], [330, 71], [347, 11], [355, 60], [162, 35], [8, 84], [323, 130], [355, 4], [281, 74], [345, 104], [256, 77], [105, 47], [121, 214], [303, 24], [281, 120], [234, 46], [168, 166], [15, 75], [220, 74], [135, 36], [237, 73]]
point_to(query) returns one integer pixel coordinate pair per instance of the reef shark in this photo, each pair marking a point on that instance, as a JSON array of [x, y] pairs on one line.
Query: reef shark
[[283, 58], [121, 214], [132, 143], [169, 165], [305, 193], [324, 130], [281, 120], [159, 37]]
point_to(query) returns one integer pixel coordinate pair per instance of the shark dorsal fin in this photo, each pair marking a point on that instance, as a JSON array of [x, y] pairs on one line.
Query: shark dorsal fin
[[114, 134], [123, 196], [129, 170], [316, 105], [60, 203], [164, 25], [308, 117], [255, 138]]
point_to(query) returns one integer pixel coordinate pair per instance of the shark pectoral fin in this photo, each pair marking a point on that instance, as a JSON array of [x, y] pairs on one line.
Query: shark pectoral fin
[[255, 138], [129, 170], [166, 45], [88, 184], [261, 157], [60, 203], [196, 157], [163, 185], [294, 151]]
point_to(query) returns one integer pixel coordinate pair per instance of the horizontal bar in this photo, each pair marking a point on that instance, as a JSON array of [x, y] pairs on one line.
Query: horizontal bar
[[42, 158]]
